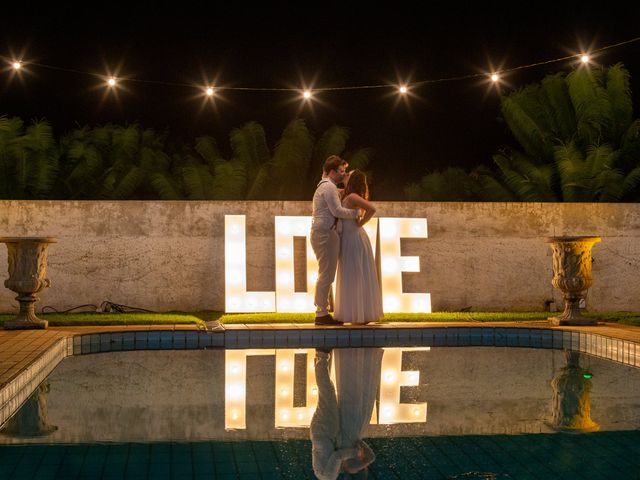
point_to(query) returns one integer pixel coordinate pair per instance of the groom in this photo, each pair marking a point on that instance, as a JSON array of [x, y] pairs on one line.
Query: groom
[[325, 240]]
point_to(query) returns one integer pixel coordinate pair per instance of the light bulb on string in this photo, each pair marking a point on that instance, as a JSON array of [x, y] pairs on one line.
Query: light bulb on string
[[209, 91], [402, 89], [495, 77], [306, 94], [17, 65], [585, 58], [112, 81]]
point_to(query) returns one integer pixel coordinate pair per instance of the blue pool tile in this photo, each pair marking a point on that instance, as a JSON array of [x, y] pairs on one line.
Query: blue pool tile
[[535, 338], [379, 337], [391, 338], [475, 336], [242, 339], [191, 340], [488, 335], [217, 339], [427, 337], [231, 339], [166, 339], [547, 338], [524, 337], [512, 337], [557, 339], [355, 338], [566, 340], [451, 336], [500, 337], [343, 338], [293, 338], [415, 337], [317, 339], [403, 336], [368, 339], [330, 338], [128, 341], [141, 339], [179, 340], [306, 338], [204, 339], [280, 339], [439, 337]]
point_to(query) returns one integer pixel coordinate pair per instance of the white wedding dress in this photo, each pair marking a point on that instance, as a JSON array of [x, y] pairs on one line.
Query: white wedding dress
[[358, 297]]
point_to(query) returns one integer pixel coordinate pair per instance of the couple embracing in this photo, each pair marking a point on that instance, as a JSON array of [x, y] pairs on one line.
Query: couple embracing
[[342, 246]]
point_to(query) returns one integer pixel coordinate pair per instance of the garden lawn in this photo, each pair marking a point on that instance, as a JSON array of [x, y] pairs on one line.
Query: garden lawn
[[198, 318]]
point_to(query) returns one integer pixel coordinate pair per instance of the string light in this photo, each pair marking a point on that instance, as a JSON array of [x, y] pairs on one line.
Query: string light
[[308, 94]]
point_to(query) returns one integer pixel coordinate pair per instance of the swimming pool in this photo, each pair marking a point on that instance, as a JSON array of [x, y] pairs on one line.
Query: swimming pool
[[445, 407]]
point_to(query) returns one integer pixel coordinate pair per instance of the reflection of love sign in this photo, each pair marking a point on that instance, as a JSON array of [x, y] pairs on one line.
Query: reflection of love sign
[[389, 410], [286, 299]]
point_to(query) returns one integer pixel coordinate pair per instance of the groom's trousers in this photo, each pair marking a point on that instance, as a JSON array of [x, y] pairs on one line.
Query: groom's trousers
[[326, 246]]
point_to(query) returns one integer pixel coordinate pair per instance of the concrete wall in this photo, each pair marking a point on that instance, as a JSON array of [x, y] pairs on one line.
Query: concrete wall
[[169, 255]]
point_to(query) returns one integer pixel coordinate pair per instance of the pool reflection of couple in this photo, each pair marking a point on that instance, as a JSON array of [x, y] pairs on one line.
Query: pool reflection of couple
[[342, 416]]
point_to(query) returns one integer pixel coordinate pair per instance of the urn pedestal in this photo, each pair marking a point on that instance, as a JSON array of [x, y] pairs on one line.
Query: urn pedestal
[[27, 269], [572, 274]]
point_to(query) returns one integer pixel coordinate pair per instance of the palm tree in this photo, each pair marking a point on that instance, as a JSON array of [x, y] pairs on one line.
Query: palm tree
[[112, 162], [449, 185], [579, 141], [28, 159], [254, 173]]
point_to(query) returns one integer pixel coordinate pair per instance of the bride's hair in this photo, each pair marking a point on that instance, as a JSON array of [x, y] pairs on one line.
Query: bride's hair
[[357, 184]]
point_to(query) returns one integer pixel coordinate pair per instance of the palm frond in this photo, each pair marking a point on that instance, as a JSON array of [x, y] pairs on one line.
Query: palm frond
[[594, 113], [558, 103], [127, 186], [291, 160], [165, 186], [619, 95]]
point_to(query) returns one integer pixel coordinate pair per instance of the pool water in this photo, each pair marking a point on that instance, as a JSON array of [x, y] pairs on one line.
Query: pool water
[[441, 413]]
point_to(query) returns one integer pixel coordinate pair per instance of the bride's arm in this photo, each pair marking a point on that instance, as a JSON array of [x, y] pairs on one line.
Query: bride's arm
[[357, 201]]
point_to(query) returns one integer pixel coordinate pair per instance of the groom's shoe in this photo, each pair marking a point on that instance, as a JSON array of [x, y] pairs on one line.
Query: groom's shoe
[[327, 320]]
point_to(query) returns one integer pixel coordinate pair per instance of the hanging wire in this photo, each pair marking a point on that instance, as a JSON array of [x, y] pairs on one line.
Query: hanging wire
[[327, 89]]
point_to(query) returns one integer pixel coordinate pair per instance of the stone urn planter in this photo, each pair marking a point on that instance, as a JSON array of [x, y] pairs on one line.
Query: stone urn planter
[[27, 269], [572, 274]]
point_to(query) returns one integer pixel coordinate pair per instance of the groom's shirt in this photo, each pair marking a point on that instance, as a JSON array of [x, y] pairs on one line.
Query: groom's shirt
[[327, 207]]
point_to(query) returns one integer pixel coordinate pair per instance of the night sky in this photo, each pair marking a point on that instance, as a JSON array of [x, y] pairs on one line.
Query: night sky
[[453, 123]]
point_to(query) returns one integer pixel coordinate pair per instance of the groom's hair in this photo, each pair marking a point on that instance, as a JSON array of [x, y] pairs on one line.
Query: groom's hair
[[332, 163]]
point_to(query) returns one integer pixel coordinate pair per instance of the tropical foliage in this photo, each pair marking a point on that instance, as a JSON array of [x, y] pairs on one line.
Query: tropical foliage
[[129, 162], [578, 142], [29, 159]]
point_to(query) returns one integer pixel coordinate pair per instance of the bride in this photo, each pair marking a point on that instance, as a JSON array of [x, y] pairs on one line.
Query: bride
[[358, 297]]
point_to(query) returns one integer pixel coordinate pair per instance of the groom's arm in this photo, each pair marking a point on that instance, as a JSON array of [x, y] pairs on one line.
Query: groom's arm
[[333, 202]]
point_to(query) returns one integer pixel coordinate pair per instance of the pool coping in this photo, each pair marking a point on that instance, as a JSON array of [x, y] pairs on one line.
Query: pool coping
[[48, 348]]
